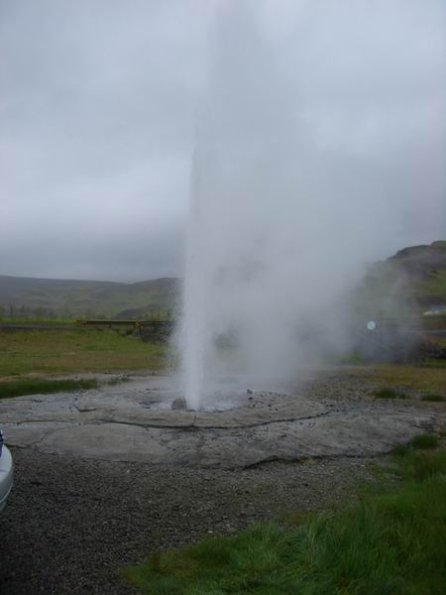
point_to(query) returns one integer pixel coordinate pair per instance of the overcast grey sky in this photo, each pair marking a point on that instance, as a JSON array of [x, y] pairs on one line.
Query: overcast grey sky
[[99, 102]]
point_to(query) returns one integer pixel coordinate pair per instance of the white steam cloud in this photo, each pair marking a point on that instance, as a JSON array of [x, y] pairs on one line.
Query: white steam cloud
[[320, 139]]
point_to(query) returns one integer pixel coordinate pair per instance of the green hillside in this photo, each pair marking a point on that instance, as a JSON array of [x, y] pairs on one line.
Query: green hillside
[[27, 297], [410, 282]]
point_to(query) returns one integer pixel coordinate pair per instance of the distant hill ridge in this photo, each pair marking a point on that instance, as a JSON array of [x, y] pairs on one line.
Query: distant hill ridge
[[24, 296], [418, 272], [422, 261]]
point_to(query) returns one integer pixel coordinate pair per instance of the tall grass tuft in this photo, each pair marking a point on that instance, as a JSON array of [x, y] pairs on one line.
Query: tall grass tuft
[[389, 393], [434, 398], [424, 442]]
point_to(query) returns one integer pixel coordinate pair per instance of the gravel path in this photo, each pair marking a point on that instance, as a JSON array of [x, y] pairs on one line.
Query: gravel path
[[72, 525]]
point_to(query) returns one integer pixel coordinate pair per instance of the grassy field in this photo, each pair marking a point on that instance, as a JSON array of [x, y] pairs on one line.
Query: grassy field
[[30, 320], [422, 378], [44, 353], [390, 541]]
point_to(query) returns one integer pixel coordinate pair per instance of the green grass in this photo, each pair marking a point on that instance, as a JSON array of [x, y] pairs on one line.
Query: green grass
[[433, 398], [434, 286], [390, 541], [42, 386], [420, 465], [439, 364], [55, 321], [420, 442], [350, 359], [43, 353], [425, 442], [429, 378], [389, 393], [34, 386]]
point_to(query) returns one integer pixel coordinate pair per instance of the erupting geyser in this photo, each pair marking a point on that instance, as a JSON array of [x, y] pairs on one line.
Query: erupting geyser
[[194, 301], [295, 184]]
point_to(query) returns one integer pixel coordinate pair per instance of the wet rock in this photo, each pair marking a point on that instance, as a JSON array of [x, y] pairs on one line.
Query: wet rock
[[179, 404]]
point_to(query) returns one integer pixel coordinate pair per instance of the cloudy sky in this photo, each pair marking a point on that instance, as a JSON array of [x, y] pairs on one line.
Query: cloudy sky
[[100, 100]]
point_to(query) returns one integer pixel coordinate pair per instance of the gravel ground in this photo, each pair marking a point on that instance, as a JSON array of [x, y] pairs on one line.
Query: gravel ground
[[71, 525]]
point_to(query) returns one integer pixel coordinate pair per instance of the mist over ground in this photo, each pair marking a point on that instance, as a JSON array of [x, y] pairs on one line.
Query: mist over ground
[[321, 142]]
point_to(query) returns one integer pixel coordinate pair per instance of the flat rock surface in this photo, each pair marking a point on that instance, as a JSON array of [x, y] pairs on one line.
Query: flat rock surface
[[135, 421]]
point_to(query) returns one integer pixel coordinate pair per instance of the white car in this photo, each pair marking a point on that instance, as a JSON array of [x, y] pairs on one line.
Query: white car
[[5, 473]]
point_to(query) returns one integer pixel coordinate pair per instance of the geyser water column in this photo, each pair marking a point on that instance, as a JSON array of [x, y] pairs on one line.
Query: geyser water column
[[236, 189], [194, 316], [307, 161], [259, 221]]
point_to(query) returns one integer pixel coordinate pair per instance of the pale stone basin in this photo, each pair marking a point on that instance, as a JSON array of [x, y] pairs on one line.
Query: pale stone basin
[[134, 422]]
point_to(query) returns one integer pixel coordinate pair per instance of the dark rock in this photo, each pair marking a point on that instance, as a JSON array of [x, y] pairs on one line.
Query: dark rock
[[179, 403]]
